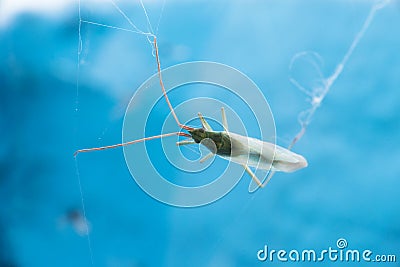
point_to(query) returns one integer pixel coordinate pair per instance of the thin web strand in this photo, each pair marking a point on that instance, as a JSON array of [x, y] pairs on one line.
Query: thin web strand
[[318, 97], [129, 20], [84, 212], [109, 26], [159, 18], [147, 17], [79, 51]]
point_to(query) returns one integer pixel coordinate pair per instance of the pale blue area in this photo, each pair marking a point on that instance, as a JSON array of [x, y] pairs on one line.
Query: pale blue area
[[350, 189]]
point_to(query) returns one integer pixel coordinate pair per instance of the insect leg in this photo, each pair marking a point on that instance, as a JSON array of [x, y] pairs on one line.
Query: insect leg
[[206, 157], [204, 122], [185, 142], [224, 120], [268, 178], [253, 176]]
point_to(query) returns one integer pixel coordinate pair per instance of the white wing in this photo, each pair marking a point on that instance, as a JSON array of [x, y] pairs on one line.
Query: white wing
[[265, 157]]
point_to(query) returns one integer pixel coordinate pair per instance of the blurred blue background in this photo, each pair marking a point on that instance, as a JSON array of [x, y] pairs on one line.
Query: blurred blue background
[[49, 109]]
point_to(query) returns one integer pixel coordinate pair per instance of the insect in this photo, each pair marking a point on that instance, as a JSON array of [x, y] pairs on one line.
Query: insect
[[246, 151]]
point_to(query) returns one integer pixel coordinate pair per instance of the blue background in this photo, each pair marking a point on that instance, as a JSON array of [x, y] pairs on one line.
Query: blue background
[[49, 109]]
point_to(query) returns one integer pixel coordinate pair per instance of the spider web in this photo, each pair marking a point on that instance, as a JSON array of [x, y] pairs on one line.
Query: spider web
[[150, 34], [315, 95], [317, 92]]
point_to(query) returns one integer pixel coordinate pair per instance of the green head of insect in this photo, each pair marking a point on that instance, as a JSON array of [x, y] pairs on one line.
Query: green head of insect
[[217, 142], [198, 134]]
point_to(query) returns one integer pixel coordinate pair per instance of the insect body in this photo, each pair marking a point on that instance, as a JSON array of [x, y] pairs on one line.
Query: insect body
[[246, 151], [250, 151]]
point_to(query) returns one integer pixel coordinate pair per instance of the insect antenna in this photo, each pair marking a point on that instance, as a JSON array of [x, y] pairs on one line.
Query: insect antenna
[[183, 126], [130, 142], [165, 93]]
